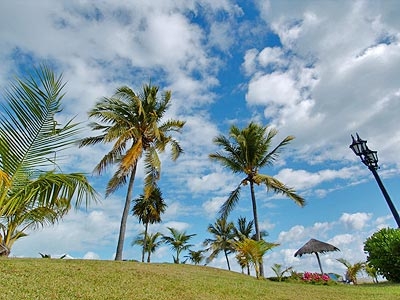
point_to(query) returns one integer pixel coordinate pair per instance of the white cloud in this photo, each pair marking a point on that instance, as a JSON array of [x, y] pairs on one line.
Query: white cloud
[[91, 255], [356, 221]]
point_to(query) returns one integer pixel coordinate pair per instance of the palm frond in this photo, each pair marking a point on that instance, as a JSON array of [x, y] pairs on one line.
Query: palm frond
[[230, 203], [278, 187]]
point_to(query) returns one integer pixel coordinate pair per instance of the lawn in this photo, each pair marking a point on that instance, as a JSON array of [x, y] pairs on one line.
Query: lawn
[[89, 279]]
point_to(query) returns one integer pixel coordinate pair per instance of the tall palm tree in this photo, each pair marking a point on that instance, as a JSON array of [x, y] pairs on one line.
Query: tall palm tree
[[149, 210], [150, 243], [34, 192], [222, 241], [178, 240], [247, 151], [195, 257], [134, 123]]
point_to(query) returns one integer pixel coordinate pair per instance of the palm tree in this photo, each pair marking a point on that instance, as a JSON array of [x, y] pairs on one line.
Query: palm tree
[[352, 270], [250, 251], [34, 192], [371, 272], [133, 122], [279, 272], [195, 257], [247, 151], [149, 244], [178, 240], [149, 210], [222, 241], [243, 230]]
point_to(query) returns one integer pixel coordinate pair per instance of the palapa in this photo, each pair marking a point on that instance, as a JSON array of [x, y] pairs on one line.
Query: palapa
[[315, 246]]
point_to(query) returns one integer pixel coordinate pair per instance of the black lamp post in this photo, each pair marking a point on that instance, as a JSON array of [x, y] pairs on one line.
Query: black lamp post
[[370, 159]]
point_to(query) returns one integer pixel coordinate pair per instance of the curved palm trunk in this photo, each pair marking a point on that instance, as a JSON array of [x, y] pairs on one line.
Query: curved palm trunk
[[125, 213], [227, 260], [145, 240], [148, 256], [258, 234]]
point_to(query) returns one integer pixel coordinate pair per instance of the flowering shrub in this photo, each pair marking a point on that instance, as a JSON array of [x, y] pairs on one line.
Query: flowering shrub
[[315, 278]]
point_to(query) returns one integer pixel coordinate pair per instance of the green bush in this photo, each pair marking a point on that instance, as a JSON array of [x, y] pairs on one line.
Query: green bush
[[383, 249]]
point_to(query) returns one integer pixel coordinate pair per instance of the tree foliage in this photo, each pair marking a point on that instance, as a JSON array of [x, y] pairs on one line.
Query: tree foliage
[[178, 240], [247, 151], [34, 191], [383, 253], [148, 209], [134, 123], [252, 252], [222, 240]]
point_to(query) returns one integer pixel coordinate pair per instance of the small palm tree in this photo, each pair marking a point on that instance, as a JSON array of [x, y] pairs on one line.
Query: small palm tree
[[222, 240], [133, 122], [371, 272], [352, 269], [178, 240], [252, 252], [148, 210], [247, 151], [279, 272], [149, 245], [243, 230], [196, 257]]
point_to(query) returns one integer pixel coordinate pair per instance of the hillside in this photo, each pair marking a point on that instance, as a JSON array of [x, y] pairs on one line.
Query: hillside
[[86, 279]]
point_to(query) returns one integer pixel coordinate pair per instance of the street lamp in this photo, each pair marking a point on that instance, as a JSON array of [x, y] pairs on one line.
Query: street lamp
[[370, 159]]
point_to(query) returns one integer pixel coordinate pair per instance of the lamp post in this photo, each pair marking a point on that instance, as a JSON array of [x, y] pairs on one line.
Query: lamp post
[[370, 159]]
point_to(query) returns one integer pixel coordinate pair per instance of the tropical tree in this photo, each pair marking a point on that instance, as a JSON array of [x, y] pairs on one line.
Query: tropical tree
[[151, 243], [178, 240], [196, 257], [371, 272], [244, 230], [222, 240], [134, 123], [34, 191], [246, 151], [279, 272], [352, 269], [251, 252], [148, 210]]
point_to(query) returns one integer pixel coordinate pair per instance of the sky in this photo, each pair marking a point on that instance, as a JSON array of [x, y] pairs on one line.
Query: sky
[[317, 70]]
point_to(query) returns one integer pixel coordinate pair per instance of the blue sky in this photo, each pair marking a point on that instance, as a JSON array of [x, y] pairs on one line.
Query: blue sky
[[318, 70]]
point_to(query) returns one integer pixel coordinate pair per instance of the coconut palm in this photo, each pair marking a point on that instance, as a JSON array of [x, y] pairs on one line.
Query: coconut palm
[[34, 192], [222, 240], [250, 251], [178, 240], [352, 269], [247, 151], [148, 210], [134, 123], [196, 257], [150, 243]]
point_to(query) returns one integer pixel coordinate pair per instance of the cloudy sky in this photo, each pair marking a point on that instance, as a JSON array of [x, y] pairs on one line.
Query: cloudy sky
[[318, 70]]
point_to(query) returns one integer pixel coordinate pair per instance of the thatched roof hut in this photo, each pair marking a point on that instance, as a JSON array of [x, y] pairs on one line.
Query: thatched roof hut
[[315, 246]]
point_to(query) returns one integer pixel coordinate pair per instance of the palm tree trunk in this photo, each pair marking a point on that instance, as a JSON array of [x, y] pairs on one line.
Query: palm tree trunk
[[145, 240], [125, 213], [258, 234], [227, 260]]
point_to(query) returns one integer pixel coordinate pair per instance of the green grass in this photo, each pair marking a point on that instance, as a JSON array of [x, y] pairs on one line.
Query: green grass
[[85, 279]]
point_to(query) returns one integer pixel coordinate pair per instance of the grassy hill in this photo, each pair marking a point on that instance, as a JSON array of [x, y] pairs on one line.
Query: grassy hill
[[87, 279]]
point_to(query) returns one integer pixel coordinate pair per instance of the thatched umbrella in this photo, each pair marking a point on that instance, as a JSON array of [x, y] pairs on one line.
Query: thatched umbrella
[[315, 246]]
